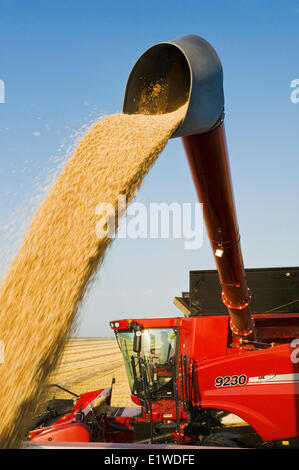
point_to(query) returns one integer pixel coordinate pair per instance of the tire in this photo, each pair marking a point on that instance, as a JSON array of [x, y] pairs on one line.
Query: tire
[[219, 440]]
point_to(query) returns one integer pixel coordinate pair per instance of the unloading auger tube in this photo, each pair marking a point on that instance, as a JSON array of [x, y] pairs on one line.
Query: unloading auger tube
[[164, 78]]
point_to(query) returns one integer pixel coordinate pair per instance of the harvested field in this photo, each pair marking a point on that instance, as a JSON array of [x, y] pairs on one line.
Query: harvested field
[[89, 364]]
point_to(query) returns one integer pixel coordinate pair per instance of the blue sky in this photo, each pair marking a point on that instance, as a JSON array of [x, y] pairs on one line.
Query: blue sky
[[65, 63]]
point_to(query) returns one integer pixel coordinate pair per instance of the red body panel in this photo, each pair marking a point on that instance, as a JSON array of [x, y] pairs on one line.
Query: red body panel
[[66, 428], [65, 432], [270, 405], [269, 399], [85, 399], [203, 338]]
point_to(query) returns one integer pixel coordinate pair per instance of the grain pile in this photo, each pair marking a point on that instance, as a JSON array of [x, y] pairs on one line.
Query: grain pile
[[42, 290]]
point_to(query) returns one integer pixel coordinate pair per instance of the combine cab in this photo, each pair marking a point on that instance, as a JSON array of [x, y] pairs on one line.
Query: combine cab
[[236, 350]]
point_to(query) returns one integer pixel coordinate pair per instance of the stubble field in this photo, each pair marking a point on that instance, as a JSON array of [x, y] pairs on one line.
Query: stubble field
[[89, 364]]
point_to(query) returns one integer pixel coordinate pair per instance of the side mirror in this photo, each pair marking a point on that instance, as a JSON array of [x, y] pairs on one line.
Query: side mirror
[[137, 342], [137, 339]]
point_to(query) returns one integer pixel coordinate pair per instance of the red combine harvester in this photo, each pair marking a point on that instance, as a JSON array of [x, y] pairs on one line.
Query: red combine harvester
[[227, 355]]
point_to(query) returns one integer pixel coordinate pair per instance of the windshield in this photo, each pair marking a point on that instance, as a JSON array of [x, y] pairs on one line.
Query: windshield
[[155, 365]]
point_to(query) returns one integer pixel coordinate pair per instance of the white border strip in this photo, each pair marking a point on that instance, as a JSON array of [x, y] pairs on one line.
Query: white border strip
[[274, 379]]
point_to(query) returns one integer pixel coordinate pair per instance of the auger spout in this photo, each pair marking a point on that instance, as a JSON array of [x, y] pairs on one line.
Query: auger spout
[[167, 76]]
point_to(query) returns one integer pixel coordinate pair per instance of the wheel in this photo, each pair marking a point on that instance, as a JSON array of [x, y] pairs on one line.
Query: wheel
[[219, 440]]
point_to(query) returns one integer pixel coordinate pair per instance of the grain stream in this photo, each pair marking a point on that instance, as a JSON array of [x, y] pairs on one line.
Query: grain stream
[[42, 291]]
